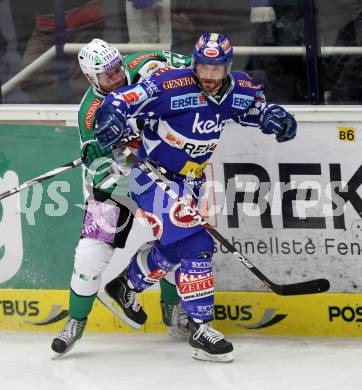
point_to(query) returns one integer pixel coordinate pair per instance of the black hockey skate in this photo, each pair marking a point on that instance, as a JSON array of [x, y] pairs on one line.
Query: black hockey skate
[[208, 343], [72, 331], [122, 301]]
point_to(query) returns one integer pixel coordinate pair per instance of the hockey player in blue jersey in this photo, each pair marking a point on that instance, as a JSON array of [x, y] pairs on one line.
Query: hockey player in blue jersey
[[185, 112]]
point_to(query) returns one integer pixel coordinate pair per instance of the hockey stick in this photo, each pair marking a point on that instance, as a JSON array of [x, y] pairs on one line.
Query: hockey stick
[[45, 176], [307, 287]]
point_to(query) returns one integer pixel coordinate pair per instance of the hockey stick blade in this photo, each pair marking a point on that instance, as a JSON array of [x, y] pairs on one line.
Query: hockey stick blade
[[308, 287]]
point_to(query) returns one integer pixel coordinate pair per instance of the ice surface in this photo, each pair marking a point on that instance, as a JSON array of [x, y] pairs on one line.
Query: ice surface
[[147, 362]]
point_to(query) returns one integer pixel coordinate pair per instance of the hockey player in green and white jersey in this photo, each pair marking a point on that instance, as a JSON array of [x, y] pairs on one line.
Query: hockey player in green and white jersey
[[106, 70]]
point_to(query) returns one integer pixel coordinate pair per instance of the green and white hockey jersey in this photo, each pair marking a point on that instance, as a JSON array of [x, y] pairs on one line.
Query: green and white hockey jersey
[[137, 66]]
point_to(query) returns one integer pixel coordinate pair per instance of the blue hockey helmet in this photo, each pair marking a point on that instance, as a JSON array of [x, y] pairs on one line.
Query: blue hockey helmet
[[213, 49]]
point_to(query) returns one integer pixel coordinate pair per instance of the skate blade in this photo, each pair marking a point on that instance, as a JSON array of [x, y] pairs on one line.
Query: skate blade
[[199, 354], [57, 355], [108, 302]]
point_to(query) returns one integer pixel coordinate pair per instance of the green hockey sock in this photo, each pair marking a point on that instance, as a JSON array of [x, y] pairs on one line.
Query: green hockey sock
[[168, 292], [80, 306]]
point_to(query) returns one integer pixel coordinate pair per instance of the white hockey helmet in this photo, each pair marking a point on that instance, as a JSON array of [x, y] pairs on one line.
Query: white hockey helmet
[[97, 57]]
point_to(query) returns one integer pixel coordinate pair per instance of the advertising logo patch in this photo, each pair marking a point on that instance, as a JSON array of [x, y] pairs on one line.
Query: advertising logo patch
[[189, 100], [207, 126], [19, 308], [57, 313], [211, 52], [202, 310], [150, 86], [135, 95], [31, 308], [179, 82], [90, 113], [140, 58], [345, 313], [248, 84], [111, 65], [156, 275], [182, 217], [242, 101], [244, 313], [195, 286], [174, 140], [193, 147]]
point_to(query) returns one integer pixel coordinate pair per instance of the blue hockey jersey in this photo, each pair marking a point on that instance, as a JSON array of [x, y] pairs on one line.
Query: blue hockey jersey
[[183, 125]]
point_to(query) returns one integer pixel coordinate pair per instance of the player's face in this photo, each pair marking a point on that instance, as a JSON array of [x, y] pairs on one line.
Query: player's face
[[210, 77], [110, 81]]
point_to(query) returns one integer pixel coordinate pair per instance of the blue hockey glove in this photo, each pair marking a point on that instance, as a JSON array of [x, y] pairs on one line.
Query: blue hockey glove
[[280, 122], [111, 124]]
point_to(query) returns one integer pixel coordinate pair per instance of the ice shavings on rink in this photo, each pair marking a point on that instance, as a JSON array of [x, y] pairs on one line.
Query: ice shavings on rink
[[136, 362]]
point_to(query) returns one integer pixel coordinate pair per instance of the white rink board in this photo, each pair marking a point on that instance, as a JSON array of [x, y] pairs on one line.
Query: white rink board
[[330, 252]]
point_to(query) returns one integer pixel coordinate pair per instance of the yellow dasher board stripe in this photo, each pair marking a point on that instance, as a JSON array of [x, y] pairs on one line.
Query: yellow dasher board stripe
[[326, 314]]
